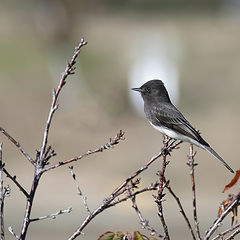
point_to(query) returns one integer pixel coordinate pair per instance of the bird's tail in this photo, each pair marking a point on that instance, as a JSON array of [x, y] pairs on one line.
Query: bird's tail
[[209, 149]]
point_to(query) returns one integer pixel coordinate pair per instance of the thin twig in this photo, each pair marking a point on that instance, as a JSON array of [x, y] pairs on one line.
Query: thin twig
[[226, 232], [181, 209], [53, 215], [1, 196], [192, 165], [17, 144], [233, 234], [159, 198], [84, 198], [108, 145], [46, 152], [10, 229], [144, 223], [14, 179], [68, 71], [216, 223], [151, 187], [115, 193]]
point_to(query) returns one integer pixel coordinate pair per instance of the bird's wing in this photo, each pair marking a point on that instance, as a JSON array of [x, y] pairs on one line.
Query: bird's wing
[[169, 116]]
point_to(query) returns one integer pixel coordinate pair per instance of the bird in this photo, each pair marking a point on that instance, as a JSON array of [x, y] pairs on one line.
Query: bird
[[168, 120]]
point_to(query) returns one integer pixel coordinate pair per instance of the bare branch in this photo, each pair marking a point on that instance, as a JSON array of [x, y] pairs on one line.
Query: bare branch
[[4, 192], [10, 229], [226, 231], [119, 189], [233, 234], [17, 144], [144, 223], [14, 179], [216, 223], [1, 196], [68, 71], [46, 152], [181, 209], [192, 165], [108, 145], [84, 198], [151, 187], [53, 215], [161, 187]]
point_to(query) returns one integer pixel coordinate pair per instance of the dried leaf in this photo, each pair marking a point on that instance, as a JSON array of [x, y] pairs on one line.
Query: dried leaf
[[234, 211], [107, 236], [233, 182]]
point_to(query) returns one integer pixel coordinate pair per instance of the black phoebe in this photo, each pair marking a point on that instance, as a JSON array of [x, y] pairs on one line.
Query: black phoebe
[[167, 119]]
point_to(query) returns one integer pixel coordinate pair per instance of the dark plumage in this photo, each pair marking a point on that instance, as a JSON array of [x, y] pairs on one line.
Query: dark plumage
[[167, 119]]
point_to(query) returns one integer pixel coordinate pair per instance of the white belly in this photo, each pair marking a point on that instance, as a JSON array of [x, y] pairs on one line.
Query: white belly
[[175, 135]]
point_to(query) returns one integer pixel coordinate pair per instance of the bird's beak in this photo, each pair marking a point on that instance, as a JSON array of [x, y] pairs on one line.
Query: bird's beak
[[137, 89]]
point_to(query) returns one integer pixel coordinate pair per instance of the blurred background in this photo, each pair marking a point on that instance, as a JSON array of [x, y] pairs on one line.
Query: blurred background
[[192, 47]]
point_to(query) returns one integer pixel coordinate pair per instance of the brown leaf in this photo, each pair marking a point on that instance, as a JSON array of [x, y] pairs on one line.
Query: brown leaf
[[233, 182], [225, 204], [234, 211]]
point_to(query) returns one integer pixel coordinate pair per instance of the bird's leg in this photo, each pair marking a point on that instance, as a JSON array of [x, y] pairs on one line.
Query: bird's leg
[[166, 139], [167, 144]]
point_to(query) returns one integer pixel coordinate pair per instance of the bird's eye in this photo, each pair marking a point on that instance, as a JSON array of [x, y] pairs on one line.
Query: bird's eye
[[148, 89]]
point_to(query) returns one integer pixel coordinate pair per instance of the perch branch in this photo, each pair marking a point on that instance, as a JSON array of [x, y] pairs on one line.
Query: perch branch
[[118, 190], [159, 198], [192, 165]]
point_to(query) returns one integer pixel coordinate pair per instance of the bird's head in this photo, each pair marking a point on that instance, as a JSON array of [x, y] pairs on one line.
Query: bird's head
[[153, 90]]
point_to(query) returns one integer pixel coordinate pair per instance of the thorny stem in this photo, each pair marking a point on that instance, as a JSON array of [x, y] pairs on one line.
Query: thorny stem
[[192, 166], [161, 187]]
